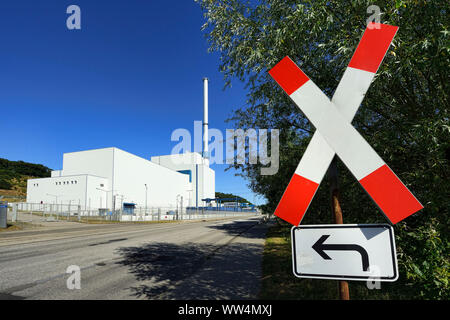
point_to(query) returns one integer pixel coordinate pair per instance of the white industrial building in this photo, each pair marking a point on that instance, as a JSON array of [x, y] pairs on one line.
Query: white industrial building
[[91, 178], [106, 178]]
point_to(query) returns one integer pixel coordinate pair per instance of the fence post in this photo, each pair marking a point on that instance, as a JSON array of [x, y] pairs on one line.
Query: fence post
[[14, 215]]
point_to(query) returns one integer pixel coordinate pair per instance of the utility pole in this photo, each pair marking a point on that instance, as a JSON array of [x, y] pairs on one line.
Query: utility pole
[[176, 201], [106, 195], [56, 203], [344, 293], [181, 209], [121, 202], [68, 213], [146, 191], [121, 207]]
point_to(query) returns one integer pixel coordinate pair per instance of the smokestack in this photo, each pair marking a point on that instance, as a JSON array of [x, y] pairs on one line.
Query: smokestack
[[205, 118]]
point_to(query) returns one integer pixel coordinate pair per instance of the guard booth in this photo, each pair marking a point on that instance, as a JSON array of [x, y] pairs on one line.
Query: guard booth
[[128, 208]]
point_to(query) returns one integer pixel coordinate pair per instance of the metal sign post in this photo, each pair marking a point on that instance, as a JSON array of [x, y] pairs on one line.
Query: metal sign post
[[344, 292]]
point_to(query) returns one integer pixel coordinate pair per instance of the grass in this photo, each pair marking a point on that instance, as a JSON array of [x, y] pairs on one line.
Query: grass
[[279, 282], [99, 221], [16, 226], [93, 220], [12, 195]]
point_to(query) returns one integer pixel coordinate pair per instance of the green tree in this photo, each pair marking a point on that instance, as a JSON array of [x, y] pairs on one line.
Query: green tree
[[404, 116], [24, 168], [222, 195], [18, 169]]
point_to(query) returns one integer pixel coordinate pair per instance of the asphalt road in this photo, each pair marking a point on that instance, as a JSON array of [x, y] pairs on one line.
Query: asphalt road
[[191, 260]]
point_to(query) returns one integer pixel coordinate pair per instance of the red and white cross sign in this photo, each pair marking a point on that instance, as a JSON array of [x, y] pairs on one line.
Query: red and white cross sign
[[336, 135]]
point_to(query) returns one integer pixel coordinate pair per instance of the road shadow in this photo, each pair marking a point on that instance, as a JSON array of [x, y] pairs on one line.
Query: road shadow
[[194, 270], [244, 228]]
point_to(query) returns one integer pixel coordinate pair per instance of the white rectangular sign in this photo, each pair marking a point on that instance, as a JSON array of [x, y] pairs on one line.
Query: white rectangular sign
[[345, 252]]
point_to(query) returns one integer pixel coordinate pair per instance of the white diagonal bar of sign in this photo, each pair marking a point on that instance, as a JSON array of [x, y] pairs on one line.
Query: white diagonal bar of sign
[[388, 192], [347, 98]]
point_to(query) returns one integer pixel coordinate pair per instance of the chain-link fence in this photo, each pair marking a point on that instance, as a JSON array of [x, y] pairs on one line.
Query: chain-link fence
[[35, 212]]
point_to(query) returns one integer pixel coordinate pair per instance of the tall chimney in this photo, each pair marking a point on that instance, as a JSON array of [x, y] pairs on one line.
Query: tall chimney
[[205, 119]]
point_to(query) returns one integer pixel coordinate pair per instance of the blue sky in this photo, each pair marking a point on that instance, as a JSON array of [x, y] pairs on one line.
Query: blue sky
[[128, 78]]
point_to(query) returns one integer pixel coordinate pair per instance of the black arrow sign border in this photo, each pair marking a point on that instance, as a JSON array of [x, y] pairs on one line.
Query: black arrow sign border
[[345, 277]]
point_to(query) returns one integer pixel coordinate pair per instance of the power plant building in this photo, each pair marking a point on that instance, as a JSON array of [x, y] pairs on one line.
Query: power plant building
[[91, 178]]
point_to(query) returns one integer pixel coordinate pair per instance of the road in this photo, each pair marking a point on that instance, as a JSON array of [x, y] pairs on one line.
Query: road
[[189, 260]]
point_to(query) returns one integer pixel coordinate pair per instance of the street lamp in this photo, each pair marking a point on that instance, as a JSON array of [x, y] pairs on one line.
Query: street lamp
[[56, 199], [54, 195], [179, 203], [106, 191], [121, 199], [121, 203], [176, 201], [146, 191], [68, 209]]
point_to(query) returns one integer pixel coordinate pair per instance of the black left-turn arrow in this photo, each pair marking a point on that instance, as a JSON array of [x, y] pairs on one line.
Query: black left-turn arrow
[[320, 247]]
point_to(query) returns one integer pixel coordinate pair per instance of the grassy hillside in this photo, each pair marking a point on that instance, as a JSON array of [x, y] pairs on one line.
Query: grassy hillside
[[14, 176]]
